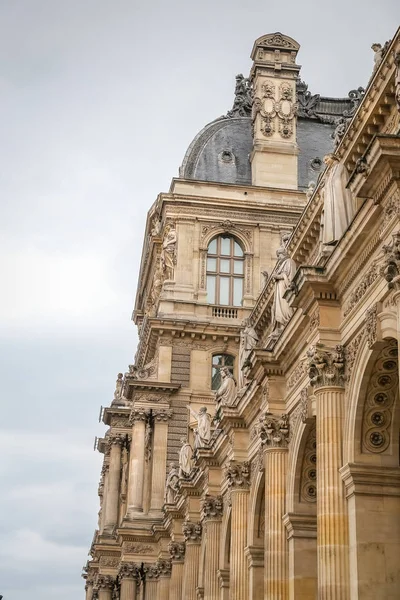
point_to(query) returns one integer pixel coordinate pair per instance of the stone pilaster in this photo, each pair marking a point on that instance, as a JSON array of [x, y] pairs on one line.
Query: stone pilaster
[[159, 467], [274, 433], [326, 371], [128, 577], [177, 554], [192, 534], [138, 419], [164, 571], [112, 506], [212, 515], [105, 585], [238, 476]]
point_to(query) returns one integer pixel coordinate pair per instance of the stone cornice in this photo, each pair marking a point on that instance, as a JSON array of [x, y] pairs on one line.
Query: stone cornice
[[370, 480], [300, 525]]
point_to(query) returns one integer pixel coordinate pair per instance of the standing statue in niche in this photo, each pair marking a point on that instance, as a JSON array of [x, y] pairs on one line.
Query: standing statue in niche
[[248, 341], [338, 201], [124, 471], [171, 484], [284, 273], [168, 252], [226, 393], [185, 458], [203, 431]]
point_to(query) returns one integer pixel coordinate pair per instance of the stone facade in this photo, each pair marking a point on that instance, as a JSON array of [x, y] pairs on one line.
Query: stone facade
[[285, 484]]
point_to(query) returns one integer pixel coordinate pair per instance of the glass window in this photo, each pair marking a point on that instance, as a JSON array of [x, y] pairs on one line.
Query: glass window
[[225, 272], [219, 361]]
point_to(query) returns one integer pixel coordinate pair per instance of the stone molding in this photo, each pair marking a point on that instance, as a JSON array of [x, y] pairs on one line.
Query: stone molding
[[238, 475], [177, 550], [300, 525], [213, 507], [274, 431], [326, 366], [370, 480], [192, 531]]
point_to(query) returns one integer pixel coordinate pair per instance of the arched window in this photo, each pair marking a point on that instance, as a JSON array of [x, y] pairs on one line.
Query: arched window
[[219, 361], [225, 271]]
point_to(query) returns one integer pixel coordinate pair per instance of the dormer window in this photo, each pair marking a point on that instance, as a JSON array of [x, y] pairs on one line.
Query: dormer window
[[225, 271]]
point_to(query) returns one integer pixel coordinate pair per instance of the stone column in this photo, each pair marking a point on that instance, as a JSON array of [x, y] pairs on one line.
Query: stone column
[[105, 585], [103, 487], [114, 475], [212, 515], [192, 533], [274, 433], [89, 588], [164, 570], [151, 582], [138, 419], [159, 468], [128, 576], [238, 475], [177, 554], [326, 371]]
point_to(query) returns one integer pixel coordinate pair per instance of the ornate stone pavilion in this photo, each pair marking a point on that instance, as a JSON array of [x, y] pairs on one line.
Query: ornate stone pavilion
[[252, 450]]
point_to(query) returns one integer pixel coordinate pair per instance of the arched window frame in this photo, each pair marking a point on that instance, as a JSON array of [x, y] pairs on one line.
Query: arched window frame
[[225, 265]]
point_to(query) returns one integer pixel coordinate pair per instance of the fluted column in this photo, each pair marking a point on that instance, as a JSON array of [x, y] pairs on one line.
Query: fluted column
[[103, 488], [128, 576], [164, 577], [159, 467], [89, 589], [105, 585], [151, 583], [177, 554], [238, 475], [212, 515], [274, 433], [114, 475], [326, 375], [192, 533], [138, 419]]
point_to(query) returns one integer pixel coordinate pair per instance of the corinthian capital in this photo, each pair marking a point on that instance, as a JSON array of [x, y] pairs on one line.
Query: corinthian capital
[[164, 568], [238, 475], [274, 430], [162, 414], [326, 366], [192, 531], [213, 506], [129, 570], [138, 414], [176, 550], [391, 265], [105, 582]]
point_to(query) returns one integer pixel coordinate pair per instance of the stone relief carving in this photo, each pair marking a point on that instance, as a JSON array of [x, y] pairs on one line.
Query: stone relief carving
[[149, 371], [148, 435], [339, 207], [185, 459], [212, 507], [368, 279], [108, 561], [326, 366], [177, 550], [133, 548], [227, 226], [308, 485], [238, 475], [192, 531], [286, 110], [243, 101], [202, 432], [269, 108], [371, 323], [152, 571], [274, 431], [168, 252], [297, 374], [350, 353], [162, 414], [301, 412], [379, 403], [171, 484], [391, 259]]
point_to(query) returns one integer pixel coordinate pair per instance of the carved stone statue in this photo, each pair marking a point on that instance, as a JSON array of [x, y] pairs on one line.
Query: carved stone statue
[[243, 98], [340, 129], [248, 341], [226, 393], [171, 484], [124, 471], [310, 189], [338, 201], [156, 229], [378, 55], [286, 269], [118, 386], [168, 252], [185, 458], [203, 430]]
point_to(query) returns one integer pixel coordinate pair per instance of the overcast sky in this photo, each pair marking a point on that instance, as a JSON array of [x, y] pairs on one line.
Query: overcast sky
[[99, 101]]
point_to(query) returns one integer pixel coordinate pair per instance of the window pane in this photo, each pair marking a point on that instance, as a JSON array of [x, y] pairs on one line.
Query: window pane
[[228, 360], [217, 359], [237, 250], [210, 289], [238, 267], [225, 265], [212, 247], [224, 290], [211, 264], [237, 291], [226, 246]]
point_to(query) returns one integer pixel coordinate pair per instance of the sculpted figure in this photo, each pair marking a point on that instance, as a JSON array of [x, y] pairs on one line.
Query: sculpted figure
[[171, 484], [118, 386], [378, 55], [203, 430], [124, 471], [156, 230], [286, 269], [185, 458], [338, 201], [248, 341], [168, 252], [226, 393]]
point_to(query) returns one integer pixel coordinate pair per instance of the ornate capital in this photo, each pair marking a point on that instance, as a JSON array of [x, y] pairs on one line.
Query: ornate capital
[[115, 439], [162, 414], [139, 414], [326, 366], [213, 507], [192, 531], [274, 430], [105, 582], [129, 571], [177, 550], [391, 265], [164, 568], [152, 571], [238, 475]]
